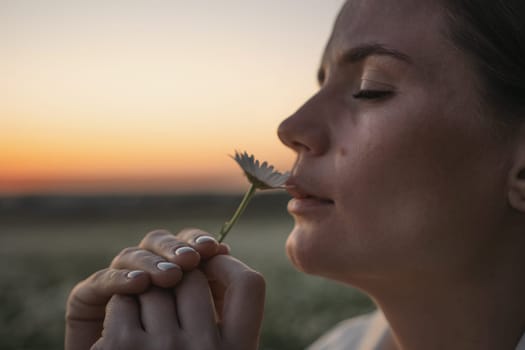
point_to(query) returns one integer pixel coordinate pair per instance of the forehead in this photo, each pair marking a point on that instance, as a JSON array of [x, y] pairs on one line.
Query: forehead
[[414, 27]]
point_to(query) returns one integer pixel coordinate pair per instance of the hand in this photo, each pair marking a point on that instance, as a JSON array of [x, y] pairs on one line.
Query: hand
[[188, 320], [160, 259]]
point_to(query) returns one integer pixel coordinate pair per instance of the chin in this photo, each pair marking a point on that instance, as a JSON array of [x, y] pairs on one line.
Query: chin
[[315, 253], [302, 251]]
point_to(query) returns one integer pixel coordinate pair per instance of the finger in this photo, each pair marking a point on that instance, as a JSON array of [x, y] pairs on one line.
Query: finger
[[163, 273], [224, 249], [87, 301], [243, 307], [122, 317], [99, 345], [195, 308], [122, 325], [164, 244], [158, 311], [205, 244]]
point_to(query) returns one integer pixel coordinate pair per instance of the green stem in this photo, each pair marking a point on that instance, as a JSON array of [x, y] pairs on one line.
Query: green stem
[[244, 203]]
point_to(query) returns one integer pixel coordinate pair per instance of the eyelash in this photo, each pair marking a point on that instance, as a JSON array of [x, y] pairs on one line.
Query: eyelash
[[372, 94]]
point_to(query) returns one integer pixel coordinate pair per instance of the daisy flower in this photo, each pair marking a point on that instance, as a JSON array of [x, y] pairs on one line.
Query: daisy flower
[[261, 176]]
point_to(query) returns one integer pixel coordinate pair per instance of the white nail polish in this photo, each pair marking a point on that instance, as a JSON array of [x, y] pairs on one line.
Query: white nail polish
[[184, 250], [133, 274], [205, 239], [165, 266]]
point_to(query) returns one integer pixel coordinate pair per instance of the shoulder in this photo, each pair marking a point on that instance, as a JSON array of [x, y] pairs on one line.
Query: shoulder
[[362, 332]]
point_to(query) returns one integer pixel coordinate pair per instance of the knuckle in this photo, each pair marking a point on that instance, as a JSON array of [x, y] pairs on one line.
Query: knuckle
[[129, 251], [77, 289], [148, 259], [136, 258], [154, 235], [112, 275], [189, 233], [74, 303], [170, 244], [98, 276]]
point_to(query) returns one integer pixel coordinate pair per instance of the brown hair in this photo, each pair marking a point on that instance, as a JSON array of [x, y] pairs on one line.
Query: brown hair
[[492, 33]]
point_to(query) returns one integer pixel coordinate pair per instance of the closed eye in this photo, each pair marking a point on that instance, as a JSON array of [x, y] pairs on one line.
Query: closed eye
[[372, 94]]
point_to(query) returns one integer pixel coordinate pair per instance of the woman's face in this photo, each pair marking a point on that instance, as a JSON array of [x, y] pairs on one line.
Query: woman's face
[[398, 173]]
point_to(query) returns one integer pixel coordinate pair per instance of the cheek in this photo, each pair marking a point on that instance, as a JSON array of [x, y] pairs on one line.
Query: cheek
[[415, 195]]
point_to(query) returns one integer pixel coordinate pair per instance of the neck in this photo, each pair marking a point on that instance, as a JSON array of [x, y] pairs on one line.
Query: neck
[[482, 311]]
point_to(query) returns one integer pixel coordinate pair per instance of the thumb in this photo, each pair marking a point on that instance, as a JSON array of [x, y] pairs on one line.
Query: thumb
[[122, 317], [243, 306], [86, 303], [122, 326], [88, 299]]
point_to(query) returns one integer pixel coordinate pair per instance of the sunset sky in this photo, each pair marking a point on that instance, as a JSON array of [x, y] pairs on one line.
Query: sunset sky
[[150, 96]]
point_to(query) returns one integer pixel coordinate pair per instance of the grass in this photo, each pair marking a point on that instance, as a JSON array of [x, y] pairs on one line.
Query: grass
[[43, 258]]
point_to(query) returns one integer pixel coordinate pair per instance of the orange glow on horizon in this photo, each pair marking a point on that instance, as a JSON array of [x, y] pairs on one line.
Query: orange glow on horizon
[[125, 96], [48, 169]]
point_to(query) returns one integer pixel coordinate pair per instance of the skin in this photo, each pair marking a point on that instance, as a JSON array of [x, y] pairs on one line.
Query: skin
[[203, 298], [418, 204], [219, 306], [409, 193], [402, 170]]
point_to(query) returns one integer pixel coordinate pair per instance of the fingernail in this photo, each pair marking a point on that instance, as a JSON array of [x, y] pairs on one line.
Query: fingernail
[[133, 274], [184, 250], [165, 266], [205, 239]]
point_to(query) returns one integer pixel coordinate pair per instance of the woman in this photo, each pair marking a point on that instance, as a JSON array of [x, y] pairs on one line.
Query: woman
[[409, 184]]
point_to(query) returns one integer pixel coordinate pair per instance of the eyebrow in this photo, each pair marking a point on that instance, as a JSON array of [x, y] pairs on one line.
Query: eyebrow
[[359, 53]]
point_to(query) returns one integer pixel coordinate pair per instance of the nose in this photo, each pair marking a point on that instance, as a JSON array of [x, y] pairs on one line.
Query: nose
[[306, 131]]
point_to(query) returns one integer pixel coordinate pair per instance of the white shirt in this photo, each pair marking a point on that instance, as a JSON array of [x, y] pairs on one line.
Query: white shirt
[[366, 332]]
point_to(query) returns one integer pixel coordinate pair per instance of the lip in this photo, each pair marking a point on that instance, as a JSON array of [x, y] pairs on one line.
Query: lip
[[304, 201]]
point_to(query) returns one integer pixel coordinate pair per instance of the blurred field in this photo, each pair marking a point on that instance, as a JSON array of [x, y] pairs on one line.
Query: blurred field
[[46, 246]]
